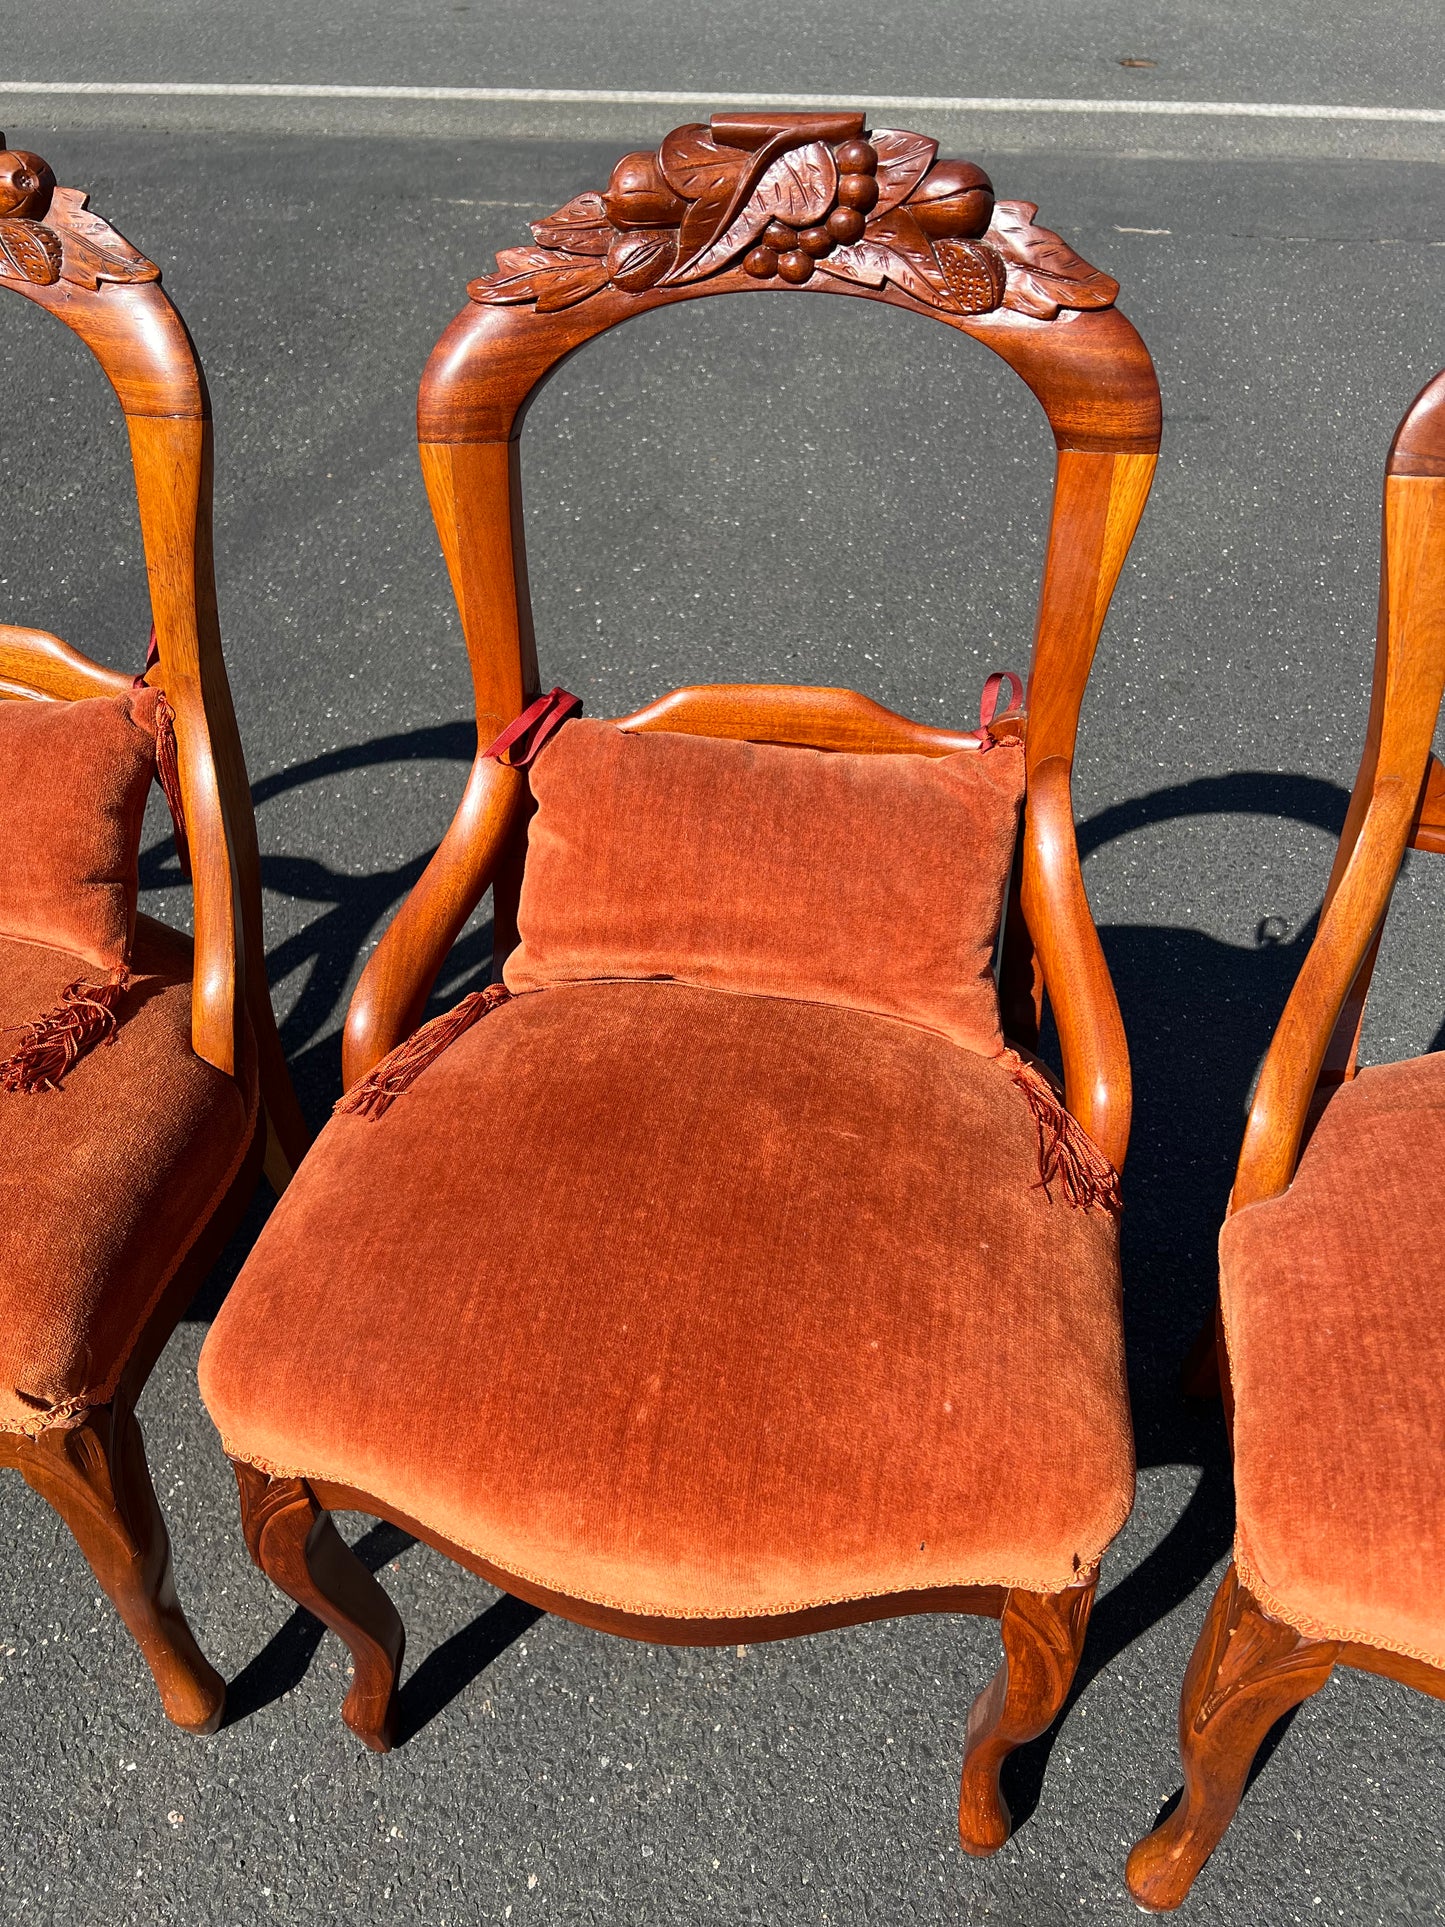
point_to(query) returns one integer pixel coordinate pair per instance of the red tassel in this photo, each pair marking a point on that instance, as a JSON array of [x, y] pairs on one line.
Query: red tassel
[[168, 769], [375, 1094], [1067, 1154], [84, 1017]]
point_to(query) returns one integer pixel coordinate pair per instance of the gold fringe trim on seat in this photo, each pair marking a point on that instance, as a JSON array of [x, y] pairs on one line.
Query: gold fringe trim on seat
[[1068, 1156], [50, 1045], [374, 1095]]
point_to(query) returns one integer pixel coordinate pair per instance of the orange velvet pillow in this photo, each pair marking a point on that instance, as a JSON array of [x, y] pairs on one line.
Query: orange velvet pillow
[[873, 882], [73, 784]]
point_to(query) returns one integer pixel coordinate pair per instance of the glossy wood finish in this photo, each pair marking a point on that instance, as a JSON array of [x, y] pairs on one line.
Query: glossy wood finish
[[725, 209], [1247, 1671], [58, 255], [95, 1476], [1249, 1668], [1043, 1638], [295, 1544]]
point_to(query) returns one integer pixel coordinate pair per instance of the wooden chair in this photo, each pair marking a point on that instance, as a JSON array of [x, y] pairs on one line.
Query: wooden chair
[[751, 203], [1329, 1341], [84, 1453]]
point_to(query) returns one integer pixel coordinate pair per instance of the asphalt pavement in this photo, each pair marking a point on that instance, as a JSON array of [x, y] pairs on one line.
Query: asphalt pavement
[[714, 493]]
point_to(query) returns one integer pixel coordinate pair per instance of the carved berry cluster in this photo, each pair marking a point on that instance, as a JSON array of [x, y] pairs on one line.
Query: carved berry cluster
[[780, 197]]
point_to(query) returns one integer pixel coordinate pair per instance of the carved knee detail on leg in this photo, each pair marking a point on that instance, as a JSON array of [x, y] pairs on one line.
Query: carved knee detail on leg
[[1043, 1637]]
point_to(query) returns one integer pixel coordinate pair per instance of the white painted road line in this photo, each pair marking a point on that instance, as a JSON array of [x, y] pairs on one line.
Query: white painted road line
[[612, 97]]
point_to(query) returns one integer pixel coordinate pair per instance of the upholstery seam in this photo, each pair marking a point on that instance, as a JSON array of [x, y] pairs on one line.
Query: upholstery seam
[[1308, 1624], [274, 1470]]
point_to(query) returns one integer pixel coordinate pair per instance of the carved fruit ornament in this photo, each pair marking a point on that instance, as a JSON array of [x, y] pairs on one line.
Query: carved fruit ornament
[[46, 235], [786, 196]]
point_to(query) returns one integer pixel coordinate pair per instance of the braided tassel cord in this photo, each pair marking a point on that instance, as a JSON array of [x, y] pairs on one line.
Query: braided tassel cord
[[374, 1095], [50, 1045], [1068, 1156]]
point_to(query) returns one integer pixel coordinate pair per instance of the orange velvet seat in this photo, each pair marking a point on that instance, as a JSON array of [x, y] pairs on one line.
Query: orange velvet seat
[[695, 1304], [106, 1182], [1331, 1295]]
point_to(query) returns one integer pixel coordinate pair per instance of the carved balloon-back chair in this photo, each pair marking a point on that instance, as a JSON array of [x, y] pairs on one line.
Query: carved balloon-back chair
[[703, 1467], [137, 1113], [1331, 1343]]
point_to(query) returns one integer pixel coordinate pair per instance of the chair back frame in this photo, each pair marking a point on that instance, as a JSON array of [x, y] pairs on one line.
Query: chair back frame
[[672, 227], [65, 259], [1398, 803]]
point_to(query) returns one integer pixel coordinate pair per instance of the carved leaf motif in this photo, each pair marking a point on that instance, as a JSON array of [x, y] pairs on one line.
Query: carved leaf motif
[[1045, 274], [522, 260], [894, 249], [903, 160], [30, 252], [581, 227], [798, 187], [694, 165], [566, 288], [552, 280], [92, 250]]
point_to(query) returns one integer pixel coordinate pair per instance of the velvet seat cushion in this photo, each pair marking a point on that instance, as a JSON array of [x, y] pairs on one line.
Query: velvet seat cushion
[[695, 1304], [1334, 1307], [872, 881], [103, 1183]]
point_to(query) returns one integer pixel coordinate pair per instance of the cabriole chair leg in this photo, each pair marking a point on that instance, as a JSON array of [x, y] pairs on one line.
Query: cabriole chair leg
[[1247, 1671], [95, 1476], [1043, 1636], [295, 1544]]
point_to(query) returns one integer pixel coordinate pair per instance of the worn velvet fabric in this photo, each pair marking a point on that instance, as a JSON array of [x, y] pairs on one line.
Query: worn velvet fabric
[[104, 1183], [73, 784], [695, 1304], [875, 882], [1333, 1298]]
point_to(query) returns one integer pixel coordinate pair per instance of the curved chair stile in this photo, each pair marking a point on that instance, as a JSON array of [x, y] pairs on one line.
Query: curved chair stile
[[1250, 1665], [91, 1465], [142, 345]]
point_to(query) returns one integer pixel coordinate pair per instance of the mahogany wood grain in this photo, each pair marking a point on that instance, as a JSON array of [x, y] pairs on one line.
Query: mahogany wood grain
[[39, 666], [1043, 1638], [1247, 1671], [300, 1551], [95, 1476], [814, 718], [65, 259]]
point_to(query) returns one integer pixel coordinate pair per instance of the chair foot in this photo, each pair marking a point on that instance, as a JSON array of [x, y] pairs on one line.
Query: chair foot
[[1043, 1636], [95, 1476], [1247, 1670], [298, 1548]]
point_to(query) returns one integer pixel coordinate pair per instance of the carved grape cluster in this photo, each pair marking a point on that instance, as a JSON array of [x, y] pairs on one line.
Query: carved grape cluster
[[780, 197], [47, 235]]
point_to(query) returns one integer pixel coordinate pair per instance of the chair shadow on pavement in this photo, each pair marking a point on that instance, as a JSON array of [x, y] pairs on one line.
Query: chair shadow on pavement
[[1198, 1012]]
